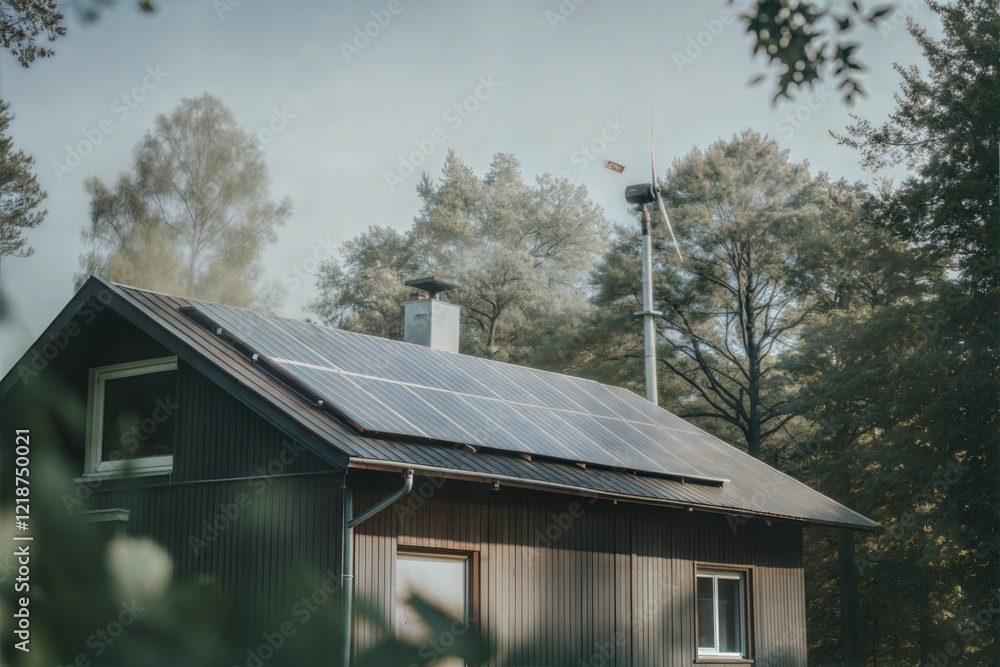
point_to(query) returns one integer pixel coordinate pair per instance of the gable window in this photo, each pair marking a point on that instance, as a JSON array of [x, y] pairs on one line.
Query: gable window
[[132, 414], [722, 622]]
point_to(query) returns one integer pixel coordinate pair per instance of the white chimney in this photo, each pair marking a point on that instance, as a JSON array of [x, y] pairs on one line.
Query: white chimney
[[429, 321]]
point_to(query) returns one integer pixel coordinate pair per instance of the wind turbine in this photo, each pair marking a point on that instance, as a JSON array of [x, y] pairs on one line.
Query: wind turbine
[[642, 194]]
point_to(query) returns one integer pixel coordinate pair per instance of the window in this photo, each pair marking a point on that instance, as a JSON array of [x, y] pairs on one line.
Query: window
[[132, 413], [722, 626], [442, 579]]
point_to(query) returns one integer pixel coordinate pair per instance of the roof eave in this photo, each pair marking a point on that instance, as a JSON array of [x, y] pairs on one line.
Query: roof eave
[[520, 482]]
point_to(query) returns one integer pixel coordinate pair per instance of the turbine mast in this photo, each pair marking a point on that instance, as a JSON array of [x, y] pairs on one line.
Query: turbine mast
[[648, 314]]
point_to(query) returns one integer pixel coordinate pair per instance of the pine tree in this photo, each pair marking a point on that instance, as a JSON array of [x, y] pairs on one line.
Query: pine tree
[[20, 194]]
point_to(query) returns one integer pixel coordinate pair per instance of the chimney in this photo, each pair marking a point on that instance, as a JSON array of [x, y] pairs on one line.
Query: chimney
[[429, 321]]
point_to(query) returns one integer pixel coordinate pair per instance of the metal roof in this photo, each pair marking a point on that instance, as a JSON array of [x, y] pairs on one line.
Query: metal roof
[[399, 390], [388, 404]]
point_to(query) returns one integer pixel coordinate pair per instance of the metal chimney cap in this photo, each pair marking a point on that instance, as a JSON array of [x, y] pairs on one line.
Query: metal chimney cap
[[431, 285]]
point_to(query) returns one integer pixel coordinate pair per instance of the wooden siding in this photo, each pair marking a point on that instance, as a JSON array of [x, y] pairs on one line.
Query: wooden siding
[[253, 539], [280, 506], [567, 580], [219, 437]]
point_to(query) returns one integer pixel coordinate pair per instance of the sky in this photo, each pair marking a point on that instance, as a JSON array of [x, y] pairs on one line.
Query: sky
[[352, 101]]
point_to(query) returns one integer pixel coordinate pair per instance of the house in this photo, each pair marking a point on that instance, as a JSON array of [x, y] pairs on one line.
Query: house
[[574, 522]]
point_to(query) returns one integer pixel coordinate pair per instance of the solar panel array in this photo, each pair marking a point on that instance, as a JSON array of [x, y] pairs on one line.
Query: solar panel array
[[402, 390]]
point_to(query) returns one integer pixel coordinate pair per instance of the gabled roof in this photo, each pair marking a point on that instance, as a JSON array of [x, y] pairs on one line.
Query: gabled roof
[[376, 403]]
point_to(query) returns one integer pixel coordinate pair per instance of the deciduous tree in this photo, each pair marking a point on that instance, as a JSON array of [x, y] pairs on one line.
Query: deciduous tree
[[937, 459], [745, 217], [193, 215], [521, 253]]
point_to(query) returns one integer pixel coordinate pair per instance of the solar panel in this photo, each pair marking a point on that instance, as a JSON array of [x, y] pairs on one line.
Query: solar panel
[[398, 389]]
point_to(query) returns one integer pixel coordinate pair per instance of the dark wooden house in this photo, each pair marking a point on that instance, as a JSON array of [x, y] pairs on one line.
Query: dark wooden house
[[575, 523]]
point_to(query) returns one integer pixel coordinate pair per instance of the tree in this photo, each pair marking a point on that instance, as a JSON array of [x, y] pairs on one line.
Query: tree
[[802, 38], [20, 194], [744, 214], [840, 369], [936, 403], [193, 215], [364, 291], [23, 23], [521, 253]]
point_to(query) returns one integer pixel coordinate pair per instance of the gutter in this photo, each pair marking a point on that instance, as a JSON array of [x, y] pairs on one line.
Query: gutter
[[468, 475], [347, 572]]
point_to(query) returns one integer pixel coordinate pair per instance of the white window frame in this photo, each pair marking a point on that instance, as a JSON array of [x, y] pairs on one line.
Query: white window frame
[[730, 575], [95, 464]]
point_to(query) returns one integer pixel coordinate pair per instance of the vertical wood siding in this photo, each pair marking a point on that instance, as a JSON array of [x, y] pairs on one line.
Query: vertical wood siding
[[570, 581], [219, 437], [251, 540], [252, 537]]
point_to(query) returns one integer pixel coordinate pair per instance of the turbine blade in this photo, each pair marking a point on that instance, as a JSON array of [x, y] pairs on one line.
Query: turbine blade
[[663, 212], [656, 183], [652, 152]]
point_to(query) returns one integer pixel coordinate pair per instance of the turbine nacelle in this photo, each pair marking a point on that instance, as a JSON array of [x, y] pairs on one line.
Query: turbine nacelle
[[640, 194]]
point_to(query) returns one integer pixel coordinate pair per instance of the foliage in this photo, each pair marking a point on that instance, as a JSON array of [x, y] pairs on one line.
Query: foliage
[[194, 214], [20, 194], [841, 369], [520, 252], [916, 372], [803, 38], [24, 23], [748, 221]]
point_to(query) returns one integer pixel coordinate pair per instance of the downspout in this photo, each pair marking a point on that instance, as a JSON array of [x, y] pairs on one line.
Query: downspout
[[347, 573]]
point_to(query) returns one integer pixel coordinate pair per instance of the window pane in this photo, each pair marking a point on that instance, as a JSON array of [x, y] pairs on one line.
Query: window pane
[[442, 581], [706, 614], [139, 416], [730, 639]]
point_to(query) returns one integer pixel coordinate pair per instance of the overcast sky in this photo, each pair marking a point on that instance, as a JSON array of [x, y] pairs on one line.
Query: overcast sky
[[338, 110]]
